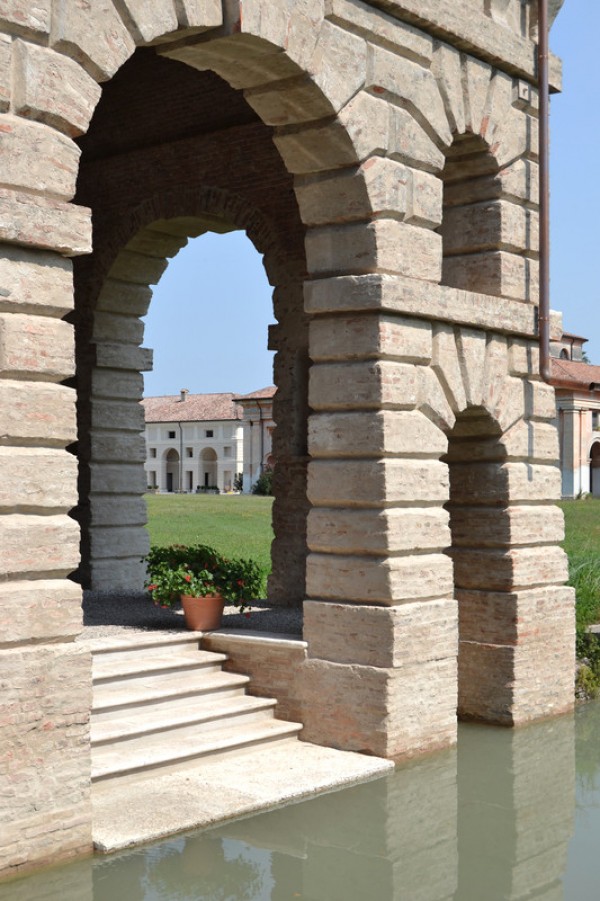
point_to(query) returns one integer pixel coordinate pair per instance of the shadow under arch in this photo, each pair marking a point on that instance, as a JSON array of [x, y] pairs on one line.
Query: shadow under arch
[[480, 527]]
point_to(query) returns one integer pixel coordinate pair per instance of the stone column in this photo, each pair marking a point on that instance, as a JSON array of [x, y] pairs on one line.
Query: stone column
[[381, 620]]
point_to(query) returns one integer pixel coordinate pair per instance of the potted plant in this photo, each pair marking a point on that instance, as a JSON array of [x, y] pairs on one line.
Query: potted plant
[[201, 600]]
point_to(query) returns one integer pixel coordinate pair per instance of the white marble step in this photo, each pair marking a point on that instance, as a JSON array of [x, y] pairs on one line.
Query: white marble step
[[211, 713], [108, 667], [155, 688], [111, 761]]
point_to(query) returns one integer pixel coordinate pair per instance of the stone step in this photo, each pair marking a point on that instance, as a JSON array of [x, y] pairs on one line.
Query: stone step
[[148, 663], [210, 713], [109, 762], [178, 644], [157, 688]]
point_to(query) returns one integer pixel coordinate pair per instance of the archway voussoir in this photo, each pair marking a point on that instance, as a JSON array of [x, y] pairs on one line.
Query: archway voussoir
[[153, 18], [477, 76], [448, 70], [93, 35]]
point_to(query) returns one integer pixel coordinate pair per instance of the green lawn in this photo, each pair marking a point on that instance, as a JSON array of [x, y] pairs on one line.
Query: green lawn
[[235, 524], [582, 544], [240, 525]]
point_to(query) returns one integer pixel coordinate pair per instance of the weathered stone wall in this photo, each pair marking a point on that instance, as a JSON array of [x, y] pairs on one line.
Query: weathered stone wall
[[338, 128]]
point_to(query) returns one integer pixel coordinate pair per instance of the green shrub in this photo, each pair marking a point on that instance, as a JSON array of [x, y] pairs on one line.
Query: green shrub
[[264, 483]]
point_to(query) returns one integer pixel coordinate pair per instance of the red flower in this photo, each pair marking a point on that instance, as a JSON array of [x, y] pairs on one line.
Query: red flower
[[151, 587], [241, 583], [188, 578], [247, 614]]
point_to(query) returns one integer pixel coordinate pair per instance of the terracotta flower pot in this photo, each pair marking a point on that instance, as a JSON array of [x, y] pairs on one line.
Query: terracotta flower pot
[[202, 614]]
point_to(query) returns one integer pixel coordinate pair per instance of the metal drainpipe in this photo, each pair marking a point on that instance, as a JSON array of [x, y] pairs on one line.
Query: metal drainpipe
[[544, 198]]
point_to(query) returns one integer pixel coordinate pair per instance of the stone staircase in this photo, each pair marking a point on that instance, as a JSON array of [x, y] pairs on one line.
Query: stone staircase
[[161, 703]]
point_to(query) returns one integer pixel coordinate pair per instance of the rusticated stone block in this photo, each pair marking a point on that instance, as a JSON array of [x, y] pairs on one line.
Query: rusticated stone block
[[117, 478], [112, 327], [370, 483], [370, 434], [94, 36], [37, 479], [373, 580], [375, 385], [362, 531], [492, 527], [363, 337], [381, 636], [45, 223], [495, 570], [123, 356], [383, 244], [412, 85], [35, 282], [120, 415], [43, 610], [40, 545], [38, 158], [45, 811], [138, 268], [496, 224], [108, 383], [33, 412], [117, 574], [52, 88], [387, 712], [536, 442], [119, 511], [151, 18], [512, 685], [36, 344], [384, 29], [121, 297], [114, 541], [115, 447], [494, 272], [505, 618], [23, 14], [496, 483]]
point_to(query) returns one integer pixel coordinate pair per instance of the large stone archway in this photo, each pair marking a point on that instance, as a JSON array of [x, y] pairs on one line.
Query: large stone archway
[[389, 361]]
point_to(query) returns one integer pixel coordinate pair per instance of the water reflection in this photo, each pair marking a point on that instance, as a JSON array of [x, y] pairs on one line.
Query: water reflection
[[489, 822]]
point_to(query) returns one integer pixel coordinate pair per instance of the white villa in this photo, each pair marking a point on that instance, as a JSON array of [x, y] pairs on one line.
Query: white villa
[[200, 442]]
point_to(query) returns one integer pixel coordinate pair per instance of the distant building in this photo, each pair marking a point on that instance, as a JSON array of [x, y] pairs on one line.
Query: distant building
[[577, 387], [258, 433], [193, 442], [200, 442]]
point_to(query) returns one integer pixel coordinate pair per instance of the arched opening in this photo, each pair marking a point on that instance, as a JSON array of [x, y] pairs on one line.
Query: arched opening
[[153, 183], [595, 469], [480, 530], [489, 233], [470, 225], [208, 475], [172, 471], [564, 354]]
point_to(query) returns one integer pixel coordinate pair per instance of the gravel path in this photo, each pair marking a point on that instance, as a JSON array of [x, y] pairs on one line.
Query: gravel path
[[112, 613]]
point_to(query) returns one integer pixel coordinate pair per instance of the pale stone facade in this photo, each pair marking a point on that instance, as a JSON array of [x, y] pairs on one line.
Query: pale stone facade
[[577, 386], [259, 425], [382, 156], [194, 442]]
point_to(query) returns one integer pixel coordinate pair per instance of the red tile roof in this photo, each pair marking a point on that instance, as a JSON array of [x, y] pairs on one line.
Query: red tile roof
[[195, 408], [261, 394], [574, 373]]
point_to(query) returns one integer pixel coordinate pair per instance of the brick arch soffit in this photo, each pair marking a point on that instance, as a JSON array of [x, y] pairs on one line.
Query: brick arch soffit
[[210, 202]]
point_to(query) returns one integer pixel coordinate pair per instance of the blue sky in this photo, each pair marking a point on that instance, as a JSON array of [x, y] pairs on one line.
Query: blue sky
[[209, 315]]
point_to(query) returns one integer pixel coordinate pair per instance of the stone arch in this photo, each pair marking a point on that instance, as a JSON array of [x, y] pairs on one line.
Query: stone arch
[[501, 457], [127, 260]]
